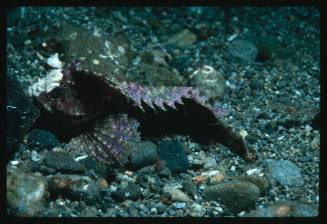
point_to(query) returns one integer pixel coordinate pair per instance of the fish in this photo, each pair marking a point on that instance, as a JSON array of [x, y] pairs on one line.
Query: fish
[[107, 118]]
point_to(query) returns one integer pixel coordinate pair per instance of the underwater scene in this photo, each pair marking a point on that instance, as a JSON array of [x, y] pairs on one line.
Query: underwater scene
[[163, 111]]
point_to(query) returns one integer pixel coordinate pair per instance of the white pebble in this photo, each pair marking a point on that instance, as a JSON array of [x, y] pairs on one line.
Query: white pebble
[[96, 62], [298, 93], [280, 138], [232, 37], [219, 209], [233, 168], [54, 61], [210, 173], [153, 210], [253, 171], [243, 133], [14, 162], [241, 213], [113, 188], [180, 205], [81, 157], [85, 187]]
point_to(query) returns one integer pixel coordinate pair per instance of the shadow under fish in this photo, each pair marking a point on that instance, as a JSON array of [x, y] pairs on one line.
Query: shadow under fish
[[107, 118]]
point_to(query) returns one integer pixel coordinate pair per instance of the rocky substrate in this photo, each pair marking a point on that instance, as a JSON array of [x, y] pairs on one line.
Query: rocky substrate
[[259, 65]]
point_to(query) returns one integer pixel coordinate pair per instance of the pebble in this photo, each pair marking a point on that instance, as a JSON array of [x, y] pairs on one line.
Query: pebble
[[261, 182], [253, 171], [26, 192], [131, 191], [146, 170], [199, 179], [75, 187], [145, 154], [210, 162], [63, 163], [217, 178], [180, 205], [165, 172], [189, 186], [198, 210], [183, 38], [14, 162], [285, 173], [42, 139], [173, 153], [244, 50], [209, 81], [176, 194], [236, 195]]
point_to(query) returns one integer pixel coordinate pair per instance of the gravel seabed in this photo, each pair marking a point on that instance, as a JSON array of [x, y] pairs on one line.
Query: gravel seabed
[[271, 99]]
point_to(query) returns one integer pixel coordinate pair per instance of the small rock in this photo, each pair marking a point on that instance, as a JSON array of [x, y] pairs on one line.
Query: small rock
[[244, 50], [146, 170], [210, 162], [189, 186], [183, 38], [198, 210], [285, 173], [75, 187], [209, 81], [261, 182], [63, 163], [173, 153], [199, 179], [102, 183], [145, 154], [236, 195], [101, 170], [217, 178], [180, 205], [131, 191], [197, 160], [26, 192], [176, 194], [165, 172], [42, 139]]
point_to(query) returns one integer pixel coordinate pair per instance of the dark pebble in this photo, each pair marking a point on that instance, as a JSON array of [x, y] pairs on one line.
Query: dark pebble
[[145, 154], [146, 170], [189, 186], [132, 192], [237, 196], [75, 187], [165, 172], [261, 182], [173, 153], [42, 139], [63, 163]]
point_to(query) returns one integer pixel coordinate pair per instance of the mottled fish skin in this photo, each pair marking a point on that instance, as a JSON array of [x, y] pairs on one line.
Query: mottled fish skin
[[111, 140], [113, 109]]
